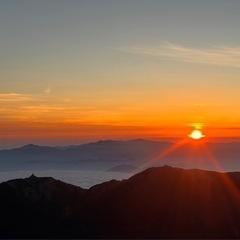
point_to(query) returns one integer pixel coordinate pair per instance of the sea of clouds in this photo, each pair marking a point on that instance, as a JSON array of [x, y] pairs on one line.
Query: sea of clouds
[[84, 179]]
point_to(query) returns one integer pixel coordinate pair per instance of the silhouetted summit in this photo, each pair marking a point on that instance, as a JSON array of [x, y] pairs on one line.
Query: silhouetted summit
[[32, 176], [163, 202]]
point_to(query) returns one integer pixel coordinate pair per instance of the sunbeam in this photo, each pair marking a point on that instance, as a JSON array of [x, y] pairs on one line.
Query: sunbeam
[[166, 153], [232, 188]]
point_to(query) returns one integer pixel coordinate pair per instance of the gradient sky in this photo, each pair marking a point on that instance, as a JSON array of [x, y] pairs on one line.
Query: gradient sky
[[77, 70]]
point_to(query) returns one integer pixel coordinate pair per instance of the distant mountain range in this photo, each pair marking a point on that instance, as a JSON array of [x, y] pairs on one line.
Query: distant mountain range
[[140, 153], [162, 202]]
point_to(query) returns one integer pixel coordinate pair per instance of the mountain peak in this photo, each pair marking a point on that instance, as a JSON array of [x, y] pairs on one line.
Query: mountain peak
[[32, 176], [28, 146]]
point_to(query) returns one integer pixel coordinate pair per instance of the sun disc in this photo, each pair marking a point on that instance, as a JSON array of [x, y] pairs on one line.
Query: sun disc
[[196, 134]]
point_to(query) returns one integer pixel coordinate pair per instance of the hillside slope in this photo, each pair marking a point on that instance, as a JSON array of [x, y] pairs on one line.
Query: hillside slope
[[161, 202]]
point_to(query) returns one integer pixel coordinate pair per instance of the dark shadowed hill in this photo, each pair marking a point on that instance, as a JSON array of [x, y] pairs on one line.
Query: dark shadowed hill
[[162, 202]]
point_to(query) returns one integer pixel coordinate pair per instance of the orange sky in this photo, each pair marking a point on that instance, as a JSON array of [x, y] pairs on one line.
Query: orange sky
[[85, 70], [44, 133]]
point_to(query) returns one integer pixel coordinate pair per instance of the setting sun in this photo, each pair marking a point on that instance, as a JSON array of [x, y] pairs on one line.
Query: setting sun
[[196, 134]]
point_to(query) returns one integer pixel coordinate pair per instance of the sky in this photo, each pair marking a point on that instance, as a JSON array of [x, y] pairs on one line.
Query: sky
[[74, 70]]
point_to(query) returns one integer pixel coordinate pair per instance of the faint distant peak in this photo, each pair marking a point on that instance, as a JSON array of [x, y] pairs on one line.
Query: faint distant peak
[[108, 141], [103, 143], [139, 140], [32, 176], [31, 146], [142, 141]]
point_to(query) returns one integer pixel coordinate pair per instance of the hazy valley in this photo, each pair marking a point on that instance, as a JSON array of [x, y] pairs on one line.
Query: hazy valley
[[137, 154]]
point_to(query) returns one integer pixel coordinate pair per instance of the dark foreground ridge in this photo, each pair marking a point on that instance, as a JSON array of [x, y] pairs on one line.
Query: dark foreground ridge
[[161, 202]]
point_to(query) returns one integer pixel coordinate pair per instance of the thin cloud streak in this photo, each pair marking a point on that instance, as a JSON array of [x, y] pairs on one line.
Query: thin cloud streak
[[41, 108], [14, 97], [216, 55]]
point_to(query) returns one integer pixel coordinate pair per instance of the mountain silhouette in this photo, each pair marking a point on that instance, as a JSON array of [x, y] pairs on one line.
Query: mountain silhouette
[[161, 202], [104, 155]]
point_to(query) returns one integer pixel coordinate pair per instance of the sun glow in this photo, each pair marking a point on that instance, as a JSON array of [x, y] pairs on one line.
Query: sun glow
[[196, 134]]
